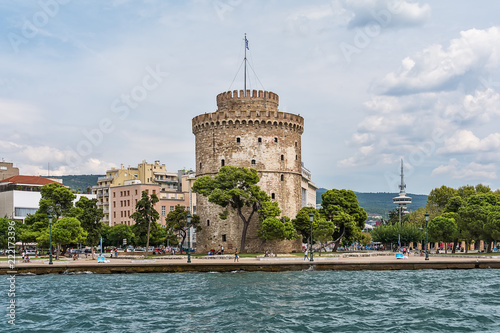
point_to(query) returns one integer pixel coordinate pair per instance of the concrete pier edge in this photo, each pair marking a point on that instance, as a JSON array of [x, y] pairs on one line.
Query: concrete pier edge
[[278, 266]]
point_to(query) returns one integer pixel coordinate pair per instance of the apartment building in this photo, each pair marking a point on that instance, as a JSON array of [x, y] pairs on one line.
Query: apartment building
[[119, 191]]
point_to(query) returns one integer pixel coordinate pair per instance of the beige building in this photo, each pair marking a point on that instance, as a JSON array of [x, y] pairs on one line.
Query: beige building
[[7, 170], [119, 191], [248, 130]]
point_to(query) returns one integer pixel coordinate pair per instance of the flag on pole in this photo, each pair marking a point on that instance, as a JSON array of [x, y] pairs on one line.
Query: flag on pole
[[246, 43]]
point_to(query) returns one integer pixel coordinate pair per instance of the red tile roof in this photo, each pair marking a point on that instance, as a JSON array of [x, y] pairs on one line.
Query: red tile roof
[[28, 180]]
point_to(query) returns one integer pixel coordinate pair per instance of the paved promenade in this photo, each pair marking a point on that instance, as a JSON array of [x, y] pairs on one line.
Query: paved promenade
[[376, 261]]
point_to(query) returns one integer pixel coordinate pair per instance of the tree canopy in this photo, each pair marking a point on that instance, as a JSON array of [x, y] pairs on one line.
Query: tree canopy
[[342, 207], [234, 188], [145, 218], [176, 222]]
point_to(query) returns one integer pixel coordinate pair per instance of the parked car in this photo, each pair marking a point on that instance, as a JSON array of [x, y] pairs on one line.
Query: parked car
[[31, 252]]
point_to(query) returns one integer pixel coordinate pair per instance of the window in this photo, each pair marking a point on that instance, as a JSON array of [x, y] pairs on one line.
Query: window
[[154, 191], [135, 192], [128, 202], [273, 196], [114, 204], [223, 238], [282, 178], [121, 203], [121, 213], [114, 194], [114, 214], [136, 201], [282, 157], [208, 223], [200, 165], [222, 162], [147, 191], [259, 140], [128, 192], [172, 208], [296, 157], [238, 140], [295, 143], [121, 193], [276, 140], [163, 210], [253, 162]]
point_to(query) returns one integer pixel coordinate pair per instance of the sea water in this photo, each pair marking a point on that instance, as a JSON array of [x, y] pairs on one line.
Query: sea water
[[308, 301]]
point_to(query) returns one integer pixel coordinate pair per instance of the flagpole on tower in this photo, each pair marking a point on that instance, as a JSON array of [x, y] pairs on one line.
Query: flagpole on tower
[[245, 83]]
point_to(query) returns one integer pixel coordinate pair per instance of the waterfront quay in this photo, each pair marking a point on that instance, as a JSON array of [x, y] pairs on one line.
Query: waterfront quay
[[178, 264]]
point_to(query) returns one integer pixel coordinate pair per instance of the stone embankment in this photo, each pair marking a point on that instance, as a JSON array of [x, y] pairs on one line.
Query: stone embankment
[[178, 264]]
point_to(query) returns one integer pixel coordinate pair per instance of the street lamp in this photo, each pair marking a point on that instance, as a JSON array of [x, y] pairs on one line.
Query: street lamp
[[189, 236], [50, 238], [427, 236], [311, 218]]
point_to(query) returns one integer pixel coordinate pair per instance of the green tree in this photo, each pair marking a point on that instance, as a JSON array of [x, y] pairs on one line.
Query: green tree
[[439, 197], [56, 199], [273, 228], [145, 218], [492, 226], [66, 231], [176, 221], [323, 233], [118, 233], [343, 208], [235, 188], [302, 223], [89, 216], [443, 229]]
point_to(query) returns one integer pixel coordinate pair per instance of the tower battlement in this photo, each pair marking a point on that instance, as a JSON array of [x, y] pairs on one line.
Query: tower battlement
[[258, 108], [260, 94]]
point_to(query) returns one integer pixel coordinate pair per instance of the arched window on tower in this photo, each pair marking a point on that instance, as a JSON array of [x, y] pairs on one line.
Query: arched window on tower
[[276, 140], [222, 162], [282, 157], [282, 178], [273, 196], [238, 140], [253, 162], [259, 140]]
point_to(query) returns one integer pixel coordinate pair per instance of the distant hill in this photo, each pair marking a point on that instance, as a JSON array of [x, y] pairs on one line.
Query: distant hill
[[380, 203], [80, 182]]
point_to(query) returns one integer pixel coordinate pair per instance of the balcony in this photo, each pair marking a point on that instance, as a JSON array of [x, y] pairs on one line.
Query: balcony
[[105, 179]]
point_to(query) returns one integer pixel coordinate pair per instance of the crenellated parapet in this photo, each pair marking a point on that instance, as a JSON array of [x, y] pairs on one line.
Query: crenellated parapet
[[257, 108]]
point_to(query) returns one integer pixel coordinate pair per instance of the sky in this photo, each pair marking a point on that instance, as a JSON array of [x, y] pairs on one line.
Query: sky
[[86, 86]]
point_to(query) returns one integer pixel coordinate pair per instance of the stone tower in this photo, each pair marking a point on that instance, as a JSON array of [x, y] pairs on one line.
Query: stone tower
[[248, 131]]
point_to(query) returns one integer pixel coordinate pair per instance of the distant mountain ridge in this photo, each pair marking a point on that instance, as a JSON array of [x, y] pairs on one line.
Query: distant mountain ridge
[[380, 203], [79, 183]]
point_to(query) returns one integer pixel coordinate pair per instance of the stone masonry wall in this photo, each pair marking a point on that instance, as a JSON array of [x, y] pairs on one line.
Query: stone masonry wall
[[251, 132]]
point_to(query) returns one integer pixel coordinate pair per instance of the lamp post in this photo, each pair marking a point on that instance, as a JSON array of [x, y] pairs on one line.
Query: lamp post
[[426, 236], [189, 236], [311, 218], [50, 240]]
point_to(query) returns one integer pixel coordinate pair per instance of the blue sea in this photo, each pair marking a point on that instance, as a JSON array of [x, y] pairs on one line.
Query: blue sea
[[308, 301]]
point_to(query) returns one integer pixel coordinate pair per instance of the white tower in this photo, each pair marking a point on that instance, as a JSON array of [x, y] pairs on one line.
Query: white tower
[[402, 199]]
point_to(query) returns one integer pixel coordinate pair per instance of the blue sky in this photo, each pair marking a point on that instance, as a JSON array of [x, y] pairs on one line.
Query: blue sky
[[86, 86]]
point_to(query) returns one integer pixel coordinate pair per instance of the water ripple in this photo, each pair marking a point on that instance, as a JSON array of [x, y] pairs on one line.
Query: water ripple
[[309, 301]]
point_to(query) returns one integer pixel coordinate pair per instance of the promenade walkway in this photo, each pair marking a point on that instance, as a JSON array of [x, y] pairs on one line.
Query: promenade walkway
[[384, 261]]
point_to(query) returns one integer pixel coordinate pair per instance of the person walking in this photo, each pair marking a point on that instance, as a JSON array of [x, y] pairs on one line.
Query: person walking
[[305, 255], [236, 258]]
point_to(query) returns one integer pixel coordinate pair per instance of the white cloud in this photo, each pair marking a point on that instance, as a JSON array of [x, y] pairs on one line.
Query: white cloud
[[464, 141], [387, 13], [472, 171], [35, 160], [437, 68]]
